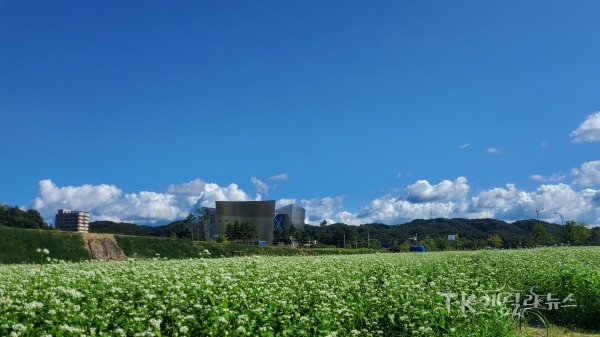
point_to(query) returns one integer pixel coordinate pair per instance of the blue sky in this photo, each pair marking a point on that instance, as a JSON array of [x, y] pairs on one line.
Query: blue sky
[[357, 111]]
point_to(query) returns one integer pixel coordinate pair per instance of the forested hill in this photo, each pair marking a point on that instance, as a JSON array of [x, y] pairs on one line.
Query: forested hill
[[177, 228], [473, 233], [16, 217]]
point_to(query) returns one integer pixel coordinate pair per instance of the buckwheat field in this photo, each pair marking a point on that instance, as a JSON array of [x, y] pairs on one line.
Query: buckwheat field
[[433, 294]]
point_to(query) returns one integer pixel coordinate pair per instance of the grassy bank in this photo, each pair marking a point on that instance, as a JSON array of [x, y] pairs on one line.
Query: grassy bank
[[149, 247], [18, 245]]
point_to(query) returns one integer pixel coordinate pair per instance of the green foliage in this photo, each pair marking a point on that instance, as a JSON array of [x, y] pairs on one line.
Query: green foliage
[[121, 228], [15, 217], [245, 232], [540, 237], [285, 235], [472, 233], [575, 232], [359, 295], [180, 228], [18, 245], [222, 238], [495, 240], [429, 244]]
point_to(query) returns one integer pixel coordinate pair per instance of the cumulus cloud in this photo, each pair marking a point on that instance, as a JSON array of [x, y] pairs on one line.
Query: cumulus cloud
[[261, 187], [388, 209], [318, 209], [506, 203], [589, 130], [464, 145], [107, 202], [512, 204], [280, 176], [284, 202], [423, 191], [493, 150], [588, 173], [552, 178], [193, 188]]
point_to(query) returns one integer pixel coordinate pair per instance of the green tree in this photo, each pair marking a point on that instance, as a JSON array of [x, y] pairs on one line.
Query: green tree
[[582, 232], [229, 232], [495, 240], [234, 231], [248, 230], [299, 234], [222, 238], [277, 236], [429, 244], [569, 232], [575, 232], [204, 220], [190, 222], [539, 236]]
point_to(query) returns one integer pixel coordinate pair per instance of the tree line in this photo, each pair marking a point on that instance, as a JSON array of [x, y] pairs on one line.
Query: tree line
[[16, 217], [470, 234], [432, 233]]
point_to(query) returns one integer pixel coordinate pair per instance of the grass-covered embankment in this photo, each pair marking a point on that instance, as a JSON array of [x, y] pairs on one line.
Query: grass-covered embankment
[[149, 247], [18, 245]]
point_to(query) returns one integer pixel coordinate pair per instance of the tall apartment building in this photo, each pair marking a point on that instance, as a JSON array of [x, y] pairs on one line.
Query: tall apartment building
[[74, 221]]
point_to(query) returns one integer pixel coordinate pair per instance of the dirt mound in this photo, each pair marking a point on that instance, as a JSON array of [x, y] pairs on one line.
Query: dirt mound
[[104, 248]]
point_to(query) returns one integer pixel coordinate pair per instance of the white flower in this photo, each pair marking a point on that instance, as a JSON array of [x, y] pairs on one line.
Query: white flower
[[19, 327]]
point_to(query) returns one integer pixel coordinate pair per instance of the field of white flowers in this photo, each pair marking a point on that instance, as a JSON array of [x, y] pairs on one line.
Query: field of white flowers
[[360, 295]]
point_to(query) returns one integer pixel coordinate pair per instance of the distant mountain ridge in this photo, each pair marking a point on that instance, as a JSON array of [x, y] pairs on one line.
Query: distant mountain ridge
[[474, 233]]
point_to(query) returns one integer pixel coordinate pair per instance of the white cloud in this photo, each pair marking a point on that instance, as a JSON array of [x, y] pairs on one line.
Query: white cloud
[[284, 202], [193, 188], [107, 202], [422, 191], [214, 192], [493, 150], [390, 210], [399, 175], [511, 203], [318, 209], [552, 178], [280, 176], [589, 130], [260, 186], [506, 203], [588, 174], [544, 143], [464, 145]]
